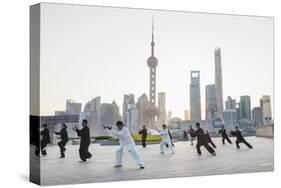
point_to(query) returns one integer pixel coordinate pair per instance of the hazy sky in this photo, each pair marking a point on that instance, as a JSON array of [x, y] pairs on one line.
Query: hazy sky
[[89, 51]]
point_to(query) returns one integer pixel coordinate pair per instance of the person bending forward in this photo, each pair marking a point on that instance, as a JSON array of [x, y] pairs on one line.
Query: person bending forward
[[239, 138]]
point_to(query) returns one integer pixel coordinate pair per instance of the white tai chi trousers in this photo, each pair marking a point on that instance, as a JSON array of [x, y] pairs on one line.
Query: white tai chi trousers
[[131, 149], [163, 143]]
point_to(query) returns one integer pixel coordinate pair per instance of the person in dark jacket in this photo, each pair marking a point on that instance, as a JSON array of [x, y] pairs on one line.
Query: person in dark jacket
[[85, 142], [143, 133], [201, 140], [45, 139], [239, 138], [64, 139], [224, 135], [209, 140]]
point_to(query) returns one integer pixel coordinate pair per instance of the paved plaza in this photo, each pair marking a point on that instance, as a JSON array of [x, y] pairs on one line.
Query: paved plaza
[[184, 163]]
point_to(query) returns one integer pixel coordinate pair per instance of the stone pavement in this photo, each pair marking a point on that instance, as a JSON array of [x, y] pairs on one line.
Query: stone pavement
[[184, 163]]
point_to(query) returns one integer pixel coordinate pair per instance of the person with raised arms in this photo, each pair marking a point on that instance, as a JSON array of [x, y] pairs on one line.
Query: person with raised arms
[[126, 143]]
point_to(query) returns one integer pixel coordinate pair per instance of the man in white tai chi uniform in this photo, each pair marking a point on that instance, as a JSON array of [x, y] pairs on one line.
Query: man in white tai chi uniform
[[165, 139], [126, 143]]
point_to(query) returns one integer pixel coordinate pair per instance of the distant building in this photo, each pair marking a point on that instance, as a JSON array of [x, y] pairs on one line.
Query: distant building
[[245, 107], [109, 114], [162, 115], [141, 106], [92, 114], [132, 117], [230, 103], [195, 96], [217, 122], [211, 103], [186, 115], [127, 100], [73, 108], [265, 104], [230, 118], [257, 116], [218, 81]]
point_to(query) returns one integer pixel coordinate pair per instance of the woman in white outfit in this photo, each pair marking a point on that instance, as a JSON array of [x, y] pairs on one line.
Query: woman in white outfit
[[126, 143], [165, 139]]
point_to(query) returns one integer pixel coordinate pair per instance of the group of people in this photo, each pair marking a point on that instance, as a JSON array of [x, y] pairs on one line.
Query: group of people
[[127, 143]]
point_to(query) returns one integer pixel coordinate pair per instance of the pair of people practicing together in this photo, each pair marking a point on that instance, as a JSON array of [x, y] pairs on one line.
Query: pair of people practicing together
[[239, 138]]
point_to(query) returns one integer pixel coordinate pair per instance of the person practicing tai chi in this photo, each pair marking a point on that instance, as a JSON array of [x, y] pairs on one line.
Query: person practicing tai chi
[[201, 140], [85, 141], [209, 139], [239, 138], [143, 133], [64, 139], [45, 133], [166, 139], [126, 143], [191, 130], [224, 135]]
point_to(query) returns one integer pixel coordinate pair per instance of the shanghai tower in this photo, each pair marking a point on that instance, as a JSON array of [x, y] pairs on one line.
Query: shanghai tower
[[218, 82]]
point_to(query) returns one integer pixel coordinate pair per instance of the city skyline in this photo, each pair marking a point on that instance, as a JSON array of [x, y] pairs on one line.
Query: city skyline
[[176, 59]]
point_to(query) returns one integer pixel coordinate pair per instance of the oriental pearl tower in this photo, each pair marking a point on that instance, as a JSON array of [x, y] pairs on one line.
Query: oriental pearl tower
[[152, 62]]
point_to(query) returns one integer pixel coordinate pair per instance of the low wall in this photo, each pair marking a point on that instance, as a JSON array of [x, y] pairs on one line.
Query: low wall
[[265, 131]]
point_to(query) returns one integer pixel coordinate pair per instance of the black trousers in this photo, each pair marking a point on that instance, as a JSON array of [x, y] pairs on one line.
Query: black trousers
[[84, 152], [43, 148], [226, 138], [243, 141], [62, 144], [143, 141], [206, 145], [212, 143]]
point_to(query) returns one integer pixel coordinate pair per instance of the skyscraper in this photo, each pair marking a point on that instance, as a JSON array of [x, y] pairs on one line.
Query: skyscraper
[[230, 118], [72, 107], [132, 118], [128, 99], [265, 104], [245, 107], [211, 103], [195, 96], [218, 81], [161, 116], [230, 103], [257, 116], [141, 106]]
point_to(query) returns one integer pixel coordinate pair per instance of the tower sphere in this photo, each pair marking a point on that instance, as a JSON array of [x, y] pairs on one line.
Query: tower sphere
[[152, 61]]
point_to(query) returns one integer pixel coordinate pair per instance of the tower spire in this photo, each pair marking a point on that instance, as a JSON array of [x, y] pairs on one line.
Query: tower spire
[[152, 41]]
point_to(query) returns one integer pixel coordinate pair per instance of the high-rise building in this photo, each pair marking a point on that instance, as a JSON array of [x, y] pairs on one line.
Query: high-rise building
[[132, 118], [162, 115], [265, 104], [186, 115], [109, 114], [195, 96], [230, 103], [152, 62], [257, 116], [230, 118], [245, 107], [141, 106], [92, 114], [73, 108], [128, 99], [211, 103], [218, 81]]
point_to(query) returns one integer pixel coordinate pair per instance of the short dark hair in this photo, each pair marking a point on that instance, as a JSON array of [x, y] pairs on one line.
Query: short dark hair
[[119, 123], [197, 124], [236, 127], [45, 125], [85, 121], [63, 124]]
